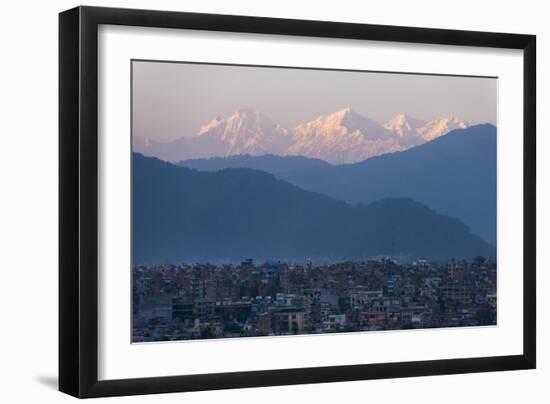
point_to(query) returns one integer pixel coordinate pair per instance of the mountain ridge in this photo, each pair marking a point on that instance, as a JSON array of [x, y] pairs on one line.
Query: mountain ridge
[[182, 214], [344, 136], [270, 163], [454, 174]]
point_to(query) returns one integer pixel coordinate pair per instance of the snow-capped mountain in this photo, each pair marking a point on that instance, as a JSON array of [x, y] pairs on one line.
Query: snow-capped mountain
[[341, 137], [416, 131], [441, 126], [247, 131], [347, 137], [407, 128]]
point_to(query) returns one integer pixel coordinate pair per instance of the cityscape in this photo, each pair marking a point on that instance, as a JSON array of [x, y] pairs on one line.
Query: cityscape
[[206, 301]]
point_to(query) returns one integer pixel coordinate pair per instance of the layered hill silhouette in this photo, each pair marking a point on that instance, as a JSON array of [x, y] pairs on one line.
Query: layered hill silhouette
[[184, 215], [454, 174]]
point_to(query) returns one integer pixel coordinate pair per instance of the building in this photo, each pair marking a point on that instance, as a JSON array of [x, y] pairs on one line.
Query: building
[[287, 321], [456, 270], [359, 296], [335, 322]]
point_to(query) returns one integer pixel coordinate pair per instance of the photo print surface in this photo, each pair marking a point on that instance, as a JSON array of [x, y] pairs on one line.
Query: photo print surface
[[270, 201]]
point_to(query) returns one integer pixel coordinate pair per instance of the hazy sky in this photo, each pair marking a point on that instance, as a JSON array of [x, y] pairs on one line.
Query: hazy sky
[[171, 100]]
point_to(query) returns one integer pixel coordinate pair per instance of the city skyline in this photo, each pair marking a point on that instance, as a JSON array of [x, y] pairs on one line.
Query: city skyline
[[204, 301]]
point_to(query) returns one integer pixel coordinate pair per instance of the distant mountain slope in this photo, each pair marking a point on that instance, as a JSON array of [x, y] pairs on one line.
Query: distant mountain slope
[[181, 214], [343, 136], [454, 174], [268, 162]]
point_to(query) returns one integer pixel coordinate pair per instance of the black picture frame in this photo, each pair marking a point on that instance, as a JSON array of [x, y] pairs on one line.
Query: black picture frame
[[78, 201]]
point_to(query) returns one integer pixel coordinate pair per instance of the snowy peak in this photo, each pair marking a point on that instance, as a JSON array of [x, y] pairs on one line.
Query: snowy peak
[[243, 121], [246, 131], [415, 131], [403, 124], [341, 137], [441, 126], [345, 116], [343, 122], [214, 123]]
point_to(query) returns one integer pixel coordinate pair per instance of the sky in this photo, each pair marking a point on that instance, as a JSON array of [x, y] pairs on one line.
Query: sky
[[171, 99]]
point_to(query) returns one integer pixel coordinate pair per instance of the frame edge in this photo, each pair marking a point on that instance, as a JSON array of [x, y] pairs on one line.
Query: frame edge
[[529, 201], [69, 80]]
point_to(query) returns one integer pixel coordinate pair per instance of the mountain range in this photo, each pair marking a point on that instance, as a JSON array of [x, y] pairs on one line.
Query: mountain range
[[454, 174], [341, 137], [185, 215]]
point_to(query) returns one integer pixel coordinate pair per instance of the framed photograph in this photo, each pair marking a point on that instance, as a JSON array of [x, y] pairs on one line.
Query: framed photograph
[[251, 201]]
